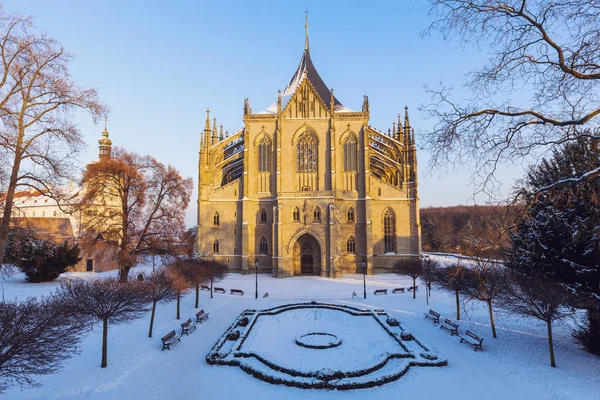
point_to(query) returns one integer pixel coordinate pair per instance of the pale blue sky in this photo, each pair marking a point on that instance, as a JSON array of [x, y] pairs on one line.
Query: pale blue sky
[[160, 64]]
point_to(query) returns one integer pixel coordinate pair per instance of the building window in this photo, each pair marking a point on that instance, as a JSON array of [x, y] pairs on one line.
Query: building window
[[264, 155], [55, 213], [317, 214], [306, 153], [296, 214], [216, 246], [264, 246], [263, 216], [350, 154], [216, 219], [351, 214], [351, 245], [389, 231], [43, 213]]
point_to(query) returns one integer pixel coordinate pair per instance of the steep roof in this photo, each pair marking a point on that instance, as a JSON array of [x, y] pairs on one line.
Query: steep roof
[[307, 70]]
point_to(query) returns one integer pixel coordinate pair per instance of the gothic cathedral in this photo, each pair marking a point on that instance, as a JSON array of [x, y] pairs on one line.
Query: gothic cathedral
[[308, 187]]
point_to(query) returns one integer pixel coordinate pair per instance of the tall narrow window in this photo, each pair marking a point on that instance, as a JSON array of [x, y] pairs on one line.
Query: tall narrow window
[[264, 246], [351, 245], [216, 219], [264, 155], [306, 153], [216, 246], [263, 216], [351, 214], [389, 231], [296, 214], [350, 154], [317, 214]]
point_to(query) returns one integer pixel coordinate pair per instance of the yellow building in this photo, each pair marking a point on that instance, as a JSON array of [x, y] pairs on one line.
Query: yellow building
[[308, 187]]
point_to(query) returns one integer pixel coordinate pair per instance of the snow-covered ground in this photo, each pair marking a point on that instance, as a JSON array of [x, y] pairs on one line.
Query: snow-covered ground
[[515, 365]]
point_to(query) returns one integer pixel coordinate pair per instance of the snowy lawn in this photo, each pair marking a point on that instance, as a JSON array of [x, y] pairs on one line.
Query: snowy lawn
[[515, 365]]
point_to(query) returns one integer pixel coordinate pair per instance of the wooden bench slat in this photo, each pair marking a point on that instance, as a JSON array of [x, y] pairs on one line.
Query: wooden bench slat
[[451, 326], [435, 316], [237, 291], [396, 290], [380, 291], [473, 339], [169, 339]]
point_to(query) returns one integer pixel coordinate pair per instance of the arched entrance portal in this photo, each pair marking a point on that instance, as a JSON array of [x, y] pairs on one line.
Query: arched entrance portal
[[307, 256]]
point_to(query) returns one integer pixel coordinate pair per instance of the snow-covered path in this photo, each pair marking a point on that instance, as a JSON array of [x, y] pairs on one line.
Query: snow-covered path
[[515, 365]]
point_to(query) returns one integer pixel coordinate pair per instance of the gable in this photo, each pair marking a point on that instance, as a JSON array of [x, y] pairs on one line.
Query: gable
[[306, 103]]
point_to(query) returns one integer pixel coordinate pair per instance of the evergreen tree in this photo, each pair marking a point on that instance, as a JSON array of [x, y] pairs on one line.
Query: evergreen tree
[[559, 236]]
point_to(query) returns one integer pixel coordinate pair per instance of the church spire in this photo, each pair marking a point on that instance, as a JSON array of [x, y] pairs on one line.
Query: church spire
[[306, 46], [206, 136], [104, 144]]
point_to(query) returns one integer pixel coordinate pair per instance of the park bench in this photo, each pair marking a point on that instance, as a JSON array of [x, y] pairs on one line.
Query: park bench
[[220, 290], [169, 339], [201, 316], [433, 315], [204, 287], [416, 287], [187, 327], [237, 291], [451, 326], [398, 290], [380, 291], [473, 339]]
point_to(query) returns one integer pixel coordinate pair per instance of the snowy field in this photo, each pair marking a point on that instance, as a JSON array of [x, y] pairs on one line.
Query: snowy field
[[513, 366]]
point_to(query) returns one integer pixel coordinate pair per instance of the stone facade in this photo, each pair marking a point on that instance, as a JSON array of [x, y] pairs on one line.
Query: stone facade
[[308, 187]]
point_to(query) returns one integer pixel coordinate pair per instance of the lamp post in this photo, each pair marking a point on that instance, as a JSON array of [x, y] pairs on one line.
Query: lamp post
[[364, 265], [256, 275]]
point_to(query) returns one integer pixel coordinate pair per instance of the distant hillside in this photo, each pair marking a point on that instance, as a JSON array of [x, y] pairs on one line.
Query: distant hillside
[[464, 229]]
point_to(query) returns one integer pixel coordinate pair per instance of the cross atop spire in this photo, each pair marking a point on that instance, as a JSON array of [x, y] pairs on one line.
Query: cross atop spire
[[306, 47]]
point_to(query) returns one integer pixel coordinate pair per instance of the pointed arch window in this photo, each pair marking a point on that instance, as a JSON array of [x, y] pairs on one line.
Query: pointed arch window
[[216, 219], [389, 231], [296, 214], [351, 245], [263, 245], [306, 153], [317, 214], [350, 157], [216, 246], [351, 214], [264, 155], [263, 216]]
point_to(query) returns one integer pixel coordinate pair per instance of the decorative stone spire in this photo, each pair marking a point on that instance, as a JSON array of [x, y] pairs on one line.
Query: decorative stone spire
[[214, 132], [247, 109], [279, 102], [206, 136], [399, 131], [306, 46], [365, 107], [221, 137], [104, 144], [394, 129]]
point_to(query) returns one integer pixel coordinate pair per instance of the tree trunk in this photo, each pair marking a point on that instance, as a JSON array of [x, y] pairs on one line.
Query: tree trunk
[[8, 203], [211, 288], [414, 288], [550, 345], [492, 319], [104, 343], [124, 274], [152, 318], [178, 301], [457, 305], [594, 330], [197, 293]]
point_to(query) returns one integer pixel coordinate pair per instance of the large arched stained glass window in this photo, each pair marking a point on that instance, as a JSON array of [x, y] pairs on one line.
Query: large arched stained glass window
[[350, 157], [264, 155], [389, 231], [306, 153]]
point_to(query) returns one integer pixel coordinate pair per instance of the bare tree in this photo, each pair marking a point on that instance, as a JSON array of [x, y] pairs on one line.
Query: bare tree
[[161, 290], [177, 271], [540, 298], [36, 337], [485, 281], [137, 202], [452, 278], [190, 269], [212, 271], [549, 49], [38, 99], [411, 267], [430, 270], [105, 300]]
